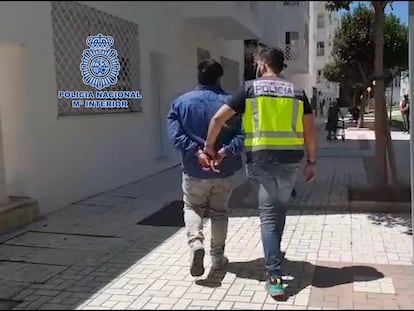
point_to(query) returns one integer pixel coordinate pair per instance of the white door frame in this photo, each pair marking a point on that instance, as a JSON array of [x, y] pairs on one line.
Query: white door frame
[[411, 87]]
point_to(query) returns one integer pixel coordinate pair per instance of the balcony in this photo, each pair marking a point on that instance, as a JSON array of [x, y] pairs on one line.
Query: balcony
[[228, 20]]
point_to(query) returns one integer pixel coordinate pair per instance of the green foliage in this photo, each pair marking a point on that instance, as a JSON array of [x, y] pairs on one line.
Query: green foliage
[[354, 46], [345, 5], [395, 43], [332, 72], [337, 5]]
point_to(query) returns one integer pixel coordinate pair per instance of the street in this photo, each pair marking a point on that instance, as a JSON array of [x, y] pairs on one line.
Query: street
[[93, 255]]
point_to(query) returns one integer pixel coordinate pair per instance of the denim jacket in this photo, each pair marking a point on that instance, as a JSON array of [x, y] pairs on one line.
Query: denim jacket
[[187, 125]]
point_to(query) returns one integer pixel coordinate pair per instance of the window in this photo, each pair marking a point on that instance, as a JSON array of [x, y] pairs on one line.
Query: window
[[72, 23], [319, 75], [321, 21], [320, 48], [292, 37], [291, 45], [290, 3]]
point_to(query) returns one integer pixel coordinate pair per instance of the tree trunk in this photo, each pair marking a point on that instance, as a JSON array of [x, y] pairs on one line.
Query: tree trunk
[[392, 94], [393, 178], [380, 109], [354, 98]]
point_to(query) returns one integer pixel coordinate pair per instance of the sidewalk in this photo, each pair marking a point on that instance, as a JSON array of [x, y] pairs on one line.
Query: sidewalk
[[93, 255]]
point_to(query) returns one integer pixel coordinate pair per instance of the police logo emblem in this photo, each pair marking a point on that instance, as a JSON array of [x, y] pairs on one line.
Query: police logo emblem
[[100, 65]]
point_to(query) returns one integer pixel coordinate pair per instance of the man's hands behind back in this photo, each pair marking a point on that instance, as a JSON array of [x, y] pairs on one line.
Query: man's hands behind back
[[211, 160], [204, 160]]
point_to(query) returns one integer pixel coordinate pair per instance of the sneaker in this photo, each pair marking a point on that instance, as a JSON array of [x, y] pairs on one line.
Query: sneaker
[[274, 287], [218, 263], [197, 262]]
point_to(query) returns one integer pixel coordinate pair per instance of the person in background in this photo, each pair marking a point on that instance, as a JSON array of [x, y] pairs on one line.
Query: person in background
[[204, 190], [278, 123], [333, 117], [322, 106], [405, 113], [355, 114]]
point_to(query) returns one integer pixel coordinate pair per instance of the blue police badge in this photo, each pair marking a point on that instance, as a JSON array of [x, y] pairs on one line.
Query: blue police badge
[[100, 65]]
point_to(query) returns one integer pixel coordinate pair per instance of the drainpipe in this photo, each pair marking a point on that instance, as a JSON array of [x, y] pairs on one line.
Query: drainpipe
[[411, 88]]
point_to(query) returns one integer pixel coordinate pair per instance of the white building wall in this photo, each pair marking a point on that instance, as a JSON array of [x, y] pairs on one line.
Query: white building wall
[[326, 35], [276, 19], [404, 85], [302, 18], [394, 92], [59, 161]]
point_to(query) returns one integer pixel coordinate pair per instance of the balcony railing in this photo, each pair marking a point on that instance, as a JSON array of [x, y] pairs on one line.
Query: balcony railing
[[291, 3], [291, 52]]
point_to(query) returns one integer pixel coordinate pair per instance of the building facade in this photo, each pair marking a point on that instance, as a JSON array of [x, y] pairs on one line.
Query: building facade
[[324, 25], [285, 24], [305, 31], [59, 154]]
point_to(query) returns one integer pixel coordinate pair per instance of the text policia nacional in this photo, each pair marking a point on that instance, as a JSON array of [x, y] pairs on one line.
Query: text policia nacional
[[99, 99]]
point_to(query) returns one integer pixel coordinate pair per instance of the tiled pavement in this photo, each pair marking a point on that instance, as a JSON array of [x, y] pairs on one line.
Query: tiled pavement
[[93, 255]]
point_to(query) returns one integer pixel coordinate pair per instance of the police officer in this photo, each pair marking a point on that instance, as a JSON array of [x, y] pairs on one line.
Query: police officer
[[278, 125]]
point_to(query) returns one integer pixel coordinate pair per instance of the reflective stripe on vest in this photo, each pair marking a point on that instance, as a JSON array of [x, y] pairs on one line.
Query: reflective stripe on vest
[[273, 123]]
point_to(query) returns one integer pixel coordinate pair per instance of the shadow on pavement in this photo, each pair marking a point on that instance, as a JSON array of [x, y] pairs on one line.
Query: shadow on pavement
[[213, 279], [397, 125], [301, 274], [393, 220]]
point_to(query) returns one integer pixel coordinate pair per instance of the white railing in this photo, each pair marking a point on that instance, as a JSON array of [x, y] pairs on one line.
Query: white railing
[[291, 52], [291, 3]]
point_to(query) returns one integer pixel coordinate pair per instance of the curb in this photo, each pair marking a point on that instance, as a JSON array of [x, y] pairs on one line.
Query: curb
[[356, 207], [379, 207]]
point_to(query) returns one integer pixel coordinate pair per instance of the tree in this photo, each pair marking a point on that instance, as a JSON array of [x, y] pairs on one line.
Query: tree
[[354, 50], [382, 134], [395, 48], [335, 72]]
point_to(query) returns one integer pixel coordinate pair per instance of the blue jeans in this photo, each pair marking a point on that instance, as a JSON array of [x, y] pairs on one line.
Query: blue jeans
[[272, 185]]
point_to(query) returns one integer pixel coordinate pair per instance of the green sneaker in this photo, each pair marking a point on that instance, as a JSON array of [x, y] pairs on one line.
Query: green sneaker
[[274, 287]]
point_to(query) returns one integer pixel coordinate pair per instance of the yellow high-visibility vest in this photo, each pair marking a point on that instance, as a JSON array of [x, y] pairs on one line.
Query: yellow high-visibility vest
[[273, 123]]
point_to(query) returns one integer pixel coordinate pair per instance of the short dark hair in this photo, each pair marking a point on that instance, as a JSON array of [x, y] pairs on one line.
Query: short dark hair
[[209, 72], [273, 57]]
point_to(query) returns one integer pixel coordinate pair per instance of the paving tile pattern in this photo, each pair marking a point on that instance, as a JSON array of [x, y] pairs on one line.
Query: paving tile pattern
[[93, 255], [156, 275], [362, 286]]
